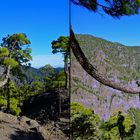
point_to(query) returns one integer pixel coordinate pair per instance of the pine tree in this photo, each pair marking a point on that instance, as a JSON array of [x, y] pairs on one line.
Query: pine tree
[[62, 45], [13, 57]]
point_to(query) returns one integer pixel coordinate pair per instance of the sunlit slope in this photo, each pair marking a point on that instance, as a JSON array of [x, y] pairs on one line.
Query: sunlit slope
[[119, 62]]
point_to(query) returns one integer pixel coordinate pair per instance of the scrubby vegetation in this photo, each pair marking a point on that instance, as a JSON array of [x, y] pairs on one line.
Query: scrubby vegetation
[[22, 91], [135, 113], [86, 125]]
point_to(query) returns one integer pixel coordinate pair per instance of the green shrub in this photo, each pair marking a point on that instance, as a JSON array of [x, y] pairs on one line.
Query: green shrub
[[84, 123], [14, 104]]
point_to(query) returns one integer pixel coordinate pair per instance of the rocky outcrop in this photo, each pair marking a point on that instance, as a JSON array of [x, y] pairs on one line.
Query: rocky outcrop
[[23, 128]]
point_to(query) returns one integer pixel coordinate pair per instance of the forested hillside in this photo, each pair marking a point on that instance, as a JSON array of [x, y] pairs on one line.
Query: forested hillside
[[32, 82], [31, 73], [118, 62]]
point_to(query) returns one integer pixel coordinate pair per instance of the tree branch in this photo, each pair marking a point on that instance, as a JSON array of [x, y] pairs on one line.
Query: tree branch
[[101, 5], [92, 71]]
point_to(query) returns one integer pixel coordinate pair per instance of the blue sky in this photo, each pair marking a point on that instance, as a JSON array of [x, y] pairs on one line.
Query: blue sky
[[42, 20], [45, 20], [125, 30]]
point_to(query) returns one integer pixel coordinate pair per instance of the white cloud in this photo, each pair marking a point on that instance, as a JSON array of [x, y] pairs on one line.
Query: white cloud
[[56, 60]]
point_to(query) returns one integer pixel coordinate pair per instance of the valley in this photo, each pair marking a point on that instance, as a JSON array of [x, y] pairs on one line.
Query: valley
[[118, 62]]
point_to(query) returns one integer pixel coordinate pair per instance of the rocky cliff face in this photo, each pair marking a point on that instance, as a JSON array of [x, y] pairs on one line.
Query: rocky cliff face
[[120, 63]]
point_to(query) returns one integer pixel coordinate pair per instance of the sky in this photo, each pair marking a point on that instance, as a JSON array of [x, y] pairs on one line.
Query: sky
[[45, 20], [125, 30], [42, 21]]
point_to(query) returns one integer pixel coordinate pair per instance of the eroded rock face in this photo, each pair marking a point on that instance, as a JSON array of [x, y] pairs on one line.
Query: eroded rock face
[[118, 62], [23, 128]]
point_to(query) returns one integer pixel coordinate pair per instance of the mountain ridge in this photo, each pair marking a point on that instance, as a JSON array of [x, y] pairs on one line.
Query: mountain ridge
[[32, 73], [119, 62]]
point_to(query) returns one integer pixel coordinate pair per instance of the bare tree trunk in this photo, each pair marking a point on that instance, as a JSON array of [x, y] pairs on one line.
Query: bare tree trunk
[[2, 83], [92, 71], [66, 71], [6, 83], [8, 96]]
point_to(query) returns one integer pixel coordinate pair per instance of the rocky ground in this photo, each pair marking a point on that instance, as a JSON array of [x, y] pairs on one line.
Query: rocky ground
[[23, 128]]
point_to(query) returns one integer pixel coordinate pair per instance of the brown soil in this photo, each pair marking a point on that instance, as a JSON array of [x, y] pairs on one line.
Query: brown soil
[[23, 128]]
